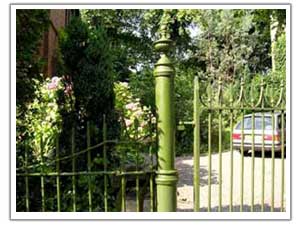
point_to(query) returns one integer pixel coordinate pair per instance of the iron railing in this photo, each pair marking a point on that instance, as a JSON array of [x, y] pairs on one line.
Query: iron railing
[[46, 170], [210, 114]]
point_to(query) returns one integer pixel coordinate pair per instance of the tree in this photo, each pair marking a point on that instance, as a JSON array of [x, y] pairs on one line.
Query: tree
[[30, 26], [131, 47], [87, 60], [230, 44]]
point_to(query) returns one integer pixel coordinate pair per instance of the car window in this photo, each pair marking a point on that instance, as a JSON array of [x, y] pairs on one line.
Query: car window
[[258, 123], [247, 124]]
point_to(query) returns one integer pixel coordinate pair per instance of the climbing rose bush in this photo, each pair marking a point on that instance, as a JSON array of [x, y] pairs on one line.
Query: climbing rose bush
[[136, 118], [43, 121]]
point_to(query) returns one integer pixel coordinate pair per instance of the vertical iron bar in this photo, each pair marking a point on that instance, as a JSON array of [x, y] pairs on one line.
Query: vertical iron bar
[[220, 160], [123, 184], [220, 141], [151, 181], [273, 164], [73, 168], [26, 179], [137, 181], [105, 161], [231, 161], [282, 139], [123, 194], [209, 161], [196, 146], [42, 174], [209, 146], [263, 165], [242, 165], [137, 187], [252, 162], [58, 175], [231, 149], [151, 169], [89, 166], [273, 149]]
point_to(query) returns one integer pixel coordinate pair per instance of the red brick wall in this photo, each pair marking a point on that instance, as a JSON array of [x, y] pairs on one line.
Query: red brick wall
[[50, 40]]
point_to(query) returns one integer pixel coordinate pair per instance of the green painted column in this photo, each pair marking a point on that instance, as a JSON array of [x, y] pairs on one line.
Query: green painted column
[[166, 178]]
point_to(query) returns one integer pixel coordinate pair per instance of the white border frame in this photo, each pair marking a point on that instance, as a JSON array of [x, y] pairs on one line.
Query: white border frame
[[145, 215]]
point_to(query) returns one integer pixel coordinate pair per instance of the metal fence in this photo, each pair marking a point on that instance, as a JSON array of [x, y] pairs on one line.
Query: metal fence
[[216, 134], [88, 180], [69, 182]]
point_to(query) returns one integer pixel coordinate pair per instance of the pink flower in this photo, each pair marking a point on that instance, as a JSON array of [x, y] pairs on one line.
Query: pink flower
[[130, 106], [54, 83], [128, 122], [68, 89], [51, 86], [55, 80], [138, 113]]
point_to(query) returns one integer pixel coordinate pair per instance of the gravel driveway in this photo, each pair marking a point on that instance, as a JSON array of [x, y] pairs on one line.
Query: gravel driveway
[[184, 166]]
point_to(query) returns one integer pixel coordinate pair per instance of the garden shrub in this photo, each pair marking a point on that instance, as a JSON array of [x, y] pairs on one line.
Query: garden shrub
[[137, 122], [136, 118]]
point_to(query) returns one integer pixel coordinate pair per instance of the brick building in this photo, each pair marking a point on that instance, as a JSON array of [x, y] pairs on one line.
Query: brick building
[[59, 18]]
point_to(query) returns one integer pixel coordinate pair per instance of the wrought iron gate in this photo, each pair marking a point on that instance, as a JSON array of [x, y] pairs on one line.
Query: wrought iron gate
[[261, 130]]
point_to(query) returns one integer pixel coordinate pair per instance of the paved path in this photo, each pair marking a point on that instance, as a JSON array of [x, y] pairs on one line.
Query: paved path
[[184, 166]]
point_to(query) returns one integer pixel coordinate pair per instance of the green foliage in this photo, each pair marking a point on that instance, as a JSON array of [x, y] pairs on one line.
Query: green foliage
[[135, 118], [42, 119], [30, 26], [280, 56], [131, 46], [227, 42], [142, 86], [179, 23], [87, 60]]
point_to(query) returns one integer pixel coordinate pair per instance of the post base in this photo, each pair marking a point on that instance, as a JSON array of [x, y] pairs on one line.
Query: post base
[[166, 182]]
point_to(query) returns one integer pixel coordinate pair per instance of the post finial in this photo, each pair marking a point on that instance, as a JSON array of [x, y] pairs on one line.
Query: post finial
[[164, 44]]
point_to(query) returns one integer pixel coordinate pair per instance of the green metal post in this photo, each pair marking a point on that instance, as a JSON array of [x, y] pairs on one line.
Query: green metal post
[[89, 161], [123, 182], [58, 175], [209, 148], [220, 143], [26, 180], [166, 179], [263, 165], [73, 169], [105, 162], [273, 164], [42, 174], [196, 145], [151, 169], [137, 180], [252, 162], [262, 85], [282, 160], [231, 150]]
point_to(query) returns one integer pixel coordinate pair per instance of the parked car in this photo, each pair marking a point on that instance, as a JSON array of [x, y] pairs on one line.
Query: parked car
[[261, 138]]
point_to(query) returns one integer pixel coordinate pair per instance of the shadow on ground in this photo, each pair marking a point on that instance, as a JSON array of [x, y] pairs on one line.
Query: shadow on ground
[[187, 179]]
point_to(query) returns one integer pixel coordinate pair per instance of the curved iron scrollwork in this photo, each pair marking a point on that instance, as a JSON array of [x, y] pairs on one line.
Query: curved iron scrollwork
[[250, 94]]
